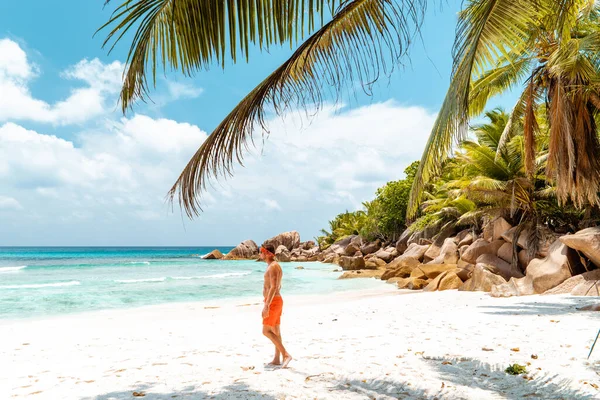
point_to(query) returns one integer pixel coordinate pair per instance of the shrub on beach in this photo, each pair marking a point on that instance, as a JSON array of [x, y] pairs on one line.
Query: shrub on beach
[[516, 369]]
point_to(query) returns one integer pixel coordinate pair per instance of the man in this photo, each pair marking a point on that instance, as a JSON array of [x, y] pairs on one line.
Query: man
[[273, 305]]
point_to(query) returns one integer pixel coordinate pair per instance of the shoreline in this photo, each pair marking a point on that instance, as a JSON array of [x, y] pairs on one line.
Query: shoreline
[[224, 304], [386, 344]]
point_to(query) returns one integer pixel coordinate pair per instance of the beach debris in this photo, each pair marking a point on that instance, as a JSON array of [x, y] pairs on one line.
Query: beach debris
[[555, 321], [247, 368], [516, 369], [139, 394], [534, 356], [486, 349], [300, 267], [446, 363], [515, 349]]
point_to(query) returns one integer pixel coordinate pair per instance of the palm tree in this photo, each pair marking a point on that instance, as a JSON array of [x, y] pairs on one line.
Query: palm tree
[[361, 40], [553, 47]]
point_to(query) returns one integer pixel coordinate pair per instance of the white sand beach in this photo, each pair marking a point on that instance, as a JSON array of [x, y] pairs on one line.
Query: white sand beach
[[381, 344]]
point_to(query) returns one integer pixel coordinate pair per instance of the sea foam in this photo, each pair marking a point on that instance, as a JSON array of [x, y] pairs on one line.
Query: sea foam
[[41, 285], [162, 279], [12, 269]]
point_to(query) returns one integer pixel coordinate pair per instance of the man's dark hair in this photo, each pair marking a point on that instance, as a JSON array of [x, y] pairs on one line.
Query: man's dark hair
[[269, 247]]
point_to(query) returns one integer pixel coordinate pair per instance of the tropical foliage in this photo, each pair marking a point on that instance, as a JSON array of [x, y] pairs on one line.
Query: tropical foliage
[[383, 218], [550, 48], [488, 178]]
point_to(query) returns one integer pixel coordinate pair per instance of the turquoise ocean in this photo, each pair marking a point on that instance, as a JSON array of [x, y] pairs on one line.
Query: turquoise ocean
[[48, 281]]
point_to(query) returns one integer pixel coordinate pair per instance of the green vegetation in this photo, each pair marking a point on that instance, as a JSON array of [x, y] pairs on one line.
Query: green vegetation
[[516, 369], [383, 218], [551, 49]]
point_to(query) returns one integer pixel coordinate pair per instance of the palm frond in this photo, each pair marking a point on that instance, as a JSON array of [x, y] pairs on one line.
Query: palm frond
[[190, 35], [509, 71], [355, 45], [487, 29]]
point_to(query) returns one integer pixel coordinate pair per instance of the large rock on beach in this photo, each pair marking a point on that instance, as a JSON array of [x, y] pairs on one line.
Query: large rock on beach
[[213, 255], [498, 266], [375, 263], [505, 252], [385, 255], [479, 247], [339, 247], [247, 250], [447, 280], [481, 280], [415, 251], [495, 229], [352, 263], [448, 253], [586, 284], [514, 287], [412, 283], [402, 243], [282, 254], [308, 245], [352, 249], [330, 258], [400, 268], [432, 271], [558, 266], [370, 248], [291, 240], [464, 238], [362, 273], [586, 241]]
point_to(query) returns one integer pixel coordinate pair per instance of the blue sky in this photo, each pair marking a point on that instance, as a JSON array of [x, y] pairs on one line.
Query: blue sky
[[75, 171]]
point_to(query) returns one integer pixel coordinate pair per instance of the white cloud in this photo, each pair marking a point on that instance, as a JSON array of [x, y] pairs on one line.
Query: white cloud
[[129, 167], [106, 78], [13, 61], [8, 203], [17, 103], [338, 158], [178, 90], [271, 204]]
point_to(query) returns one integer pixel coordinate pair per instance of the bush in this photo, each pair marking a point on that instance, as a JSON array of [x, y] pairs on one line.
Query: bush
[[516, 369]]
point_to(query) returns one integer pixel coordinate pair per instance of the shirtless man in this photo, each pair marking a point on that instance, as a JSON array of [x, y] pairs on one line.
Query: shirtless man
[[271, 313]]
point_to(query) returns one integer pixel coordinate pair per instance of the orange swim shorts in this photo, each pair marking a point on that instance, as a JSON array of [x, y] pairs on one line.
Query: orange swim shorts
[[275, 309]]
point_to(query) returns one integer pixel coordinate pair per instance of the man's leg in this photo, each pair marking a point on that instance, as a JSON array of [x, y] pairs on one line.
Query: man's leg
[[268, 331], [277, 357]]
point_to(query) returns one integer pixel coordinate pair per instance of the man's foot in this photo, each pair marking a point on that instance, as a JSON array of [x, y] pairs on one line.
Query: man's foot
[[274, 363], [286, 361]]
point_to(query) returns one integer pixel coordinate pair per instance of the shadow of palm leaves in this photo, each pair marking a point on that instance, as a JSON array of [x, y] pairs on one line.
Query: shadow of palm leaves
[[236, 391], [543, 308], [494, 381]]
